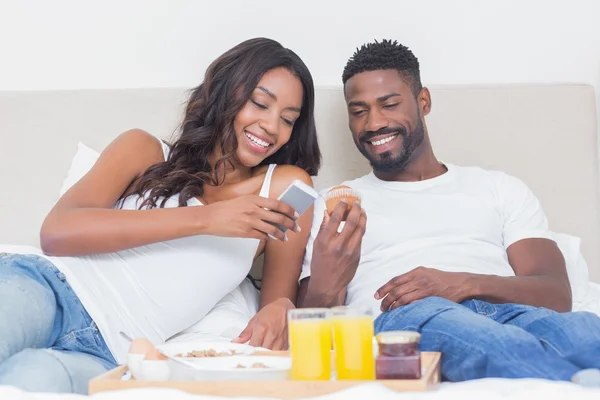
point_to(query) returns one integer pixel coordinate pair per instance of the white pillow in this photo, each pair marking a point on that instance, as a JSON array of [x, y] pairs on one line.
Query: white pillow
[[577, 268], [84, 160]]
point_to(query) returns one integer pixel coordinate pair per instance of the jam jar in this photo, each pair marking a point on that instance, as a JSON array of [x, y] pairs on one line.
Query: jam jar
[[399, 355]]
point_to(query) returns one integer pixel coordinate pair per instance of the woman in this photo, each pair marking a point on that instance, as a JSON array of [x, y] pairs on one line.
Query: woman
[[155, 235]]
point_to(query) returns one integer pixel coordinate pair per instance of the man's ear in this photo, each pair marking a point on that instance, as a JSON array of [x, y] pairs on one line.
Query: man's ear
[[424, 100]]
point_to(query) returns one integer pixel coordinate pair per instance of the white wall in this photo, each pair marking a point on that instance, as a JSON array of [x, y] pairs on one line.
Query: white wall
[[72, 44]]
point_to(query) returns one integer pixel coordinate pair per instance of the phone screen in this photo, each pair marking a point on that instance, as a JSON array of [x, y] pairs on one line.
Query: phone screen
[[296, 198]]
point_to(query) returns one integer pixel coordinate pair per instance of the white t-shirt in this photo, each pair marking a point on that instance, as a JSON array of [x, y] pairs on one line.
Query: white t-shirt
[[461, 221], [158, 290]]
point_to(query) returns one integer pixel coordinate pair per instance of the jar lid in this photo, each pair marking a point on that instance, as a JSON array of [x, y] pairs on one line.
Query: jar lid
[[398, 337]]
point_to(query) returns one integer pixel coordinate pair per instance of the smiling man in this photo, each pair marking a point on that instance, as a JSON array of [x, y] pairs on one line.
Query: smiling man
[[460, 254]]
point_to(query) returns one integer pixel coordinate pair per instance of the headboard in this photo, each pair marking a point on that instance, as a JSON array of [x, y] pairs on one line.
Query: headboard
[[543, 134]]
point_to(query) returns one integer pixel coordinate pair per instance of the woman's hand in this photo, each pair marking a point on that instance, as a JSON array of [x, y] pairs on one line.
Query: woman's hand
[[268, 328], [250, 216]]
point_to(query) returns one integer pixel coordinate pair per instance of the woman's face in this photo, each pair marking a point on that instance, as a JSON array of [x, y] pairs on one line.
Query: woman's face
[[266, 121]]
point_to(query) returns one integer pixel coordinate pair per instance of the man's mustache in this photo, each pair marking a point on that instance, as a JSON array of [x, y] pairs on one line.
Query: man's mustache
[[383, 131]]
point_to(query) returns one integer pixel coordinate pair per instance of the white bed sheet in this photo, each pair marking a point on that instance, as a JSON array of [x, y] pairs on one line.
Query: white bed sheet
[[490, 389]]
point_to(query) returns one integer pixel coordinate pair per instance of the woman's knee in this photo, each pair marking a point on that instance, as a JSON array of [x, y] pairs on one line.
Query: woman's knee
[[49, 370], [23, 286], [29, 320], [35, 370]]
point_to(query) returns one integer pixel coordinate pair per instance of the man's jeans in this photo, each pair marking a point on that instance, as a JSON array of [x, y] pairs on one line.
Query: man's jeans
[[48, 342], [480, 340]]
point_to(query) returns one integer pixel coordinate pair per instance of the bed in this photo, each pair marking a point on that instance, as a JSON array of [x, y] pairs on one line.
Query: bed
[[544, 134]]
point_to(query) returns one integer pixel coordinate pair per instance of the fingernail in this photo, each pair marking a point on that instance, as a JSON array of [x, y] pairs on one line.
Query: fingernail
[[285, 239], [376, 296], [296, 215], [298, 229]]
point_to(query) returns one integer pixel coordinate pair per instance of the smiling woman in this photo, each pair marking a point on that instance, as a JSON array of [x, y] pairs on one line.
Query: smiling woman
[[267, 113], [156, 234]]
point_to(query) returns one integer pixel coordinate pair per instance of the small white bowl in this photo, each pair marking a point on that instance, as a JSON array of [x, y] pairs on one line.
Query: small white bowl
[[155, 370], [134, 363]]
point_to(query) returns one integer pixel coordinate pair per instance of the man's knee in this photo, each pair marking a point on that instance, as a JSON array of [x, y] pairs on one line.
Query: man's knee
[[585, 318], [36, 370], [580, 326], [540, 320]]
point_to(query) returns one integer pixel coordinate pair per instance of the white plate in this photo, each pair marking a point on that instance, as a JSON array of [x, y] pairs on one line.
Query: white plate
[[226, 369]]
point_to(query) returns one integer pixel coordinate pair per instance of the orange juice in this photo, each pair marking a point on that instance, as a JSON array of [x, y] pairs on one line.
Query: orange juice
[[353, 341], [310, 348]]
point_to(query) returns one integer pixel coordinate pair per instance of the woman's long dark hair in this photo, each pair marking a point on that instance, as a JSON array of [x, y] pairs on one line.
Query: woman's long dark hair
[[208, 123]]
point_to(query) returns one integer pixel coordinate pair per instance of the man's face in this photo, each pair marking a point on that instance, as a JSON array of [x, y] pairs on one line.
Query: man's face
[[385, 119]]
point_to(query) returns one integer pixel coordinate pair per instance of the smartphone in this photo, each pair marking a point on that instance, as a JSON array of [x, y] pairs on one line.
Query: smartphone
[[299, 196]]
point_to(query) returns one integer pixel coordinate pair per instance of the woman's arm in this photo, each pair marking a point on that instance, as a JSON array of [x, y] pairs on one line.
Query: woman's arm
[[83, 221], [283, 260], [281, 270]]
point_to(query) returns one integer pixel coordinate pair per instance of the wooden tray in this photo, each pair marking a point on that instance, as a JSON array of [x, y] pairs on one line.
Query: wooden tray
[[111, 380]]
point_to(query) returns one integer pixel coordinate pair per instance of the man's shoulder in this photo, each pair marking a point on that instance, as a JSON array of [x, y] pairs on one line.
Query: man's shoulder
[[476, 172], [500, 180]]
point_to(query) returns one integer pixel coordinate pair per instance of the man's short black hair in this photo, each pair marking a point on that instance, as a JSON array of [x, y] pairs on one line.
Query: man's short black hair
[[386, 54]]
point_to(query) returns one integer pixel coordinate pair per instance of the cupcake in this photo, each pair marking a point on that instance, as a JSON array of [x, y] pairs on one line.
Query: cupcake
[[338, 193]]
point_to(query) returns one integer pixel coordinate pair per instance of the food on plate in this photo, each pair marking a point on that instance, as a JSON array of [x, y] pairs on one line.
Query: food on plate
[[338, 193], [255, 365], [207, 353]]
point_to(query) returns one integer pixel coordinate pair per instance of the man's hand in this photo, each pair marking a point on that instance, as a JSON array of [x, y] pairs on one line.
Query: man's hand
[[422, 282], [335, 255], [268, 328]]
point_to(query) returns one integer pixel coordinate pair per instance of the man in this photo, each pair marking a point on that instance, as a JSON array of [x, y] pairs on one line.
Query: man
[[462, 255]]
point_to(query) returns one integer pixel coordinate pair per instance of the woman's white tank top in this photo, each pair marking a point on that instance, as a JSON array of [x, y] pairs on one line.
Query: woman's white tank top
[[158, 290]]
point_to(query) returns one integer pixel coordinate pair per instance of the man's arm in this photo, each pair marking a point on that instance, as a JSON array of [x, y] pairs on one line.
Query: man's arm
[[331, 257], [540, 273], [541, 278], [312, 296]]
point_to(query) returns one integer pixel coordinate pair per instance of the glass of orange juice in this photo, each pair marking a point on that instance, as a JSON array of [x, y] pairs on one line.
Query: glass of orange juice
[[310, 343], [353, 343]]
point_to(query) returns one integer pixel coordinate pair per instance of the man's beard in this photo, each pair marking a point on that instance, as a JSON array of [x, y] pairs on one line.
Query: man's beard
[[387, 161]]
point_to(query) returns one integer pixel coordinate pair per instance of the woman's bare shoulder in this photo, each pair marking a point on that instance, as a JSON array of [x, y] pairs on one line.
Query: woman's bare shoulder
[[284, 175]]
